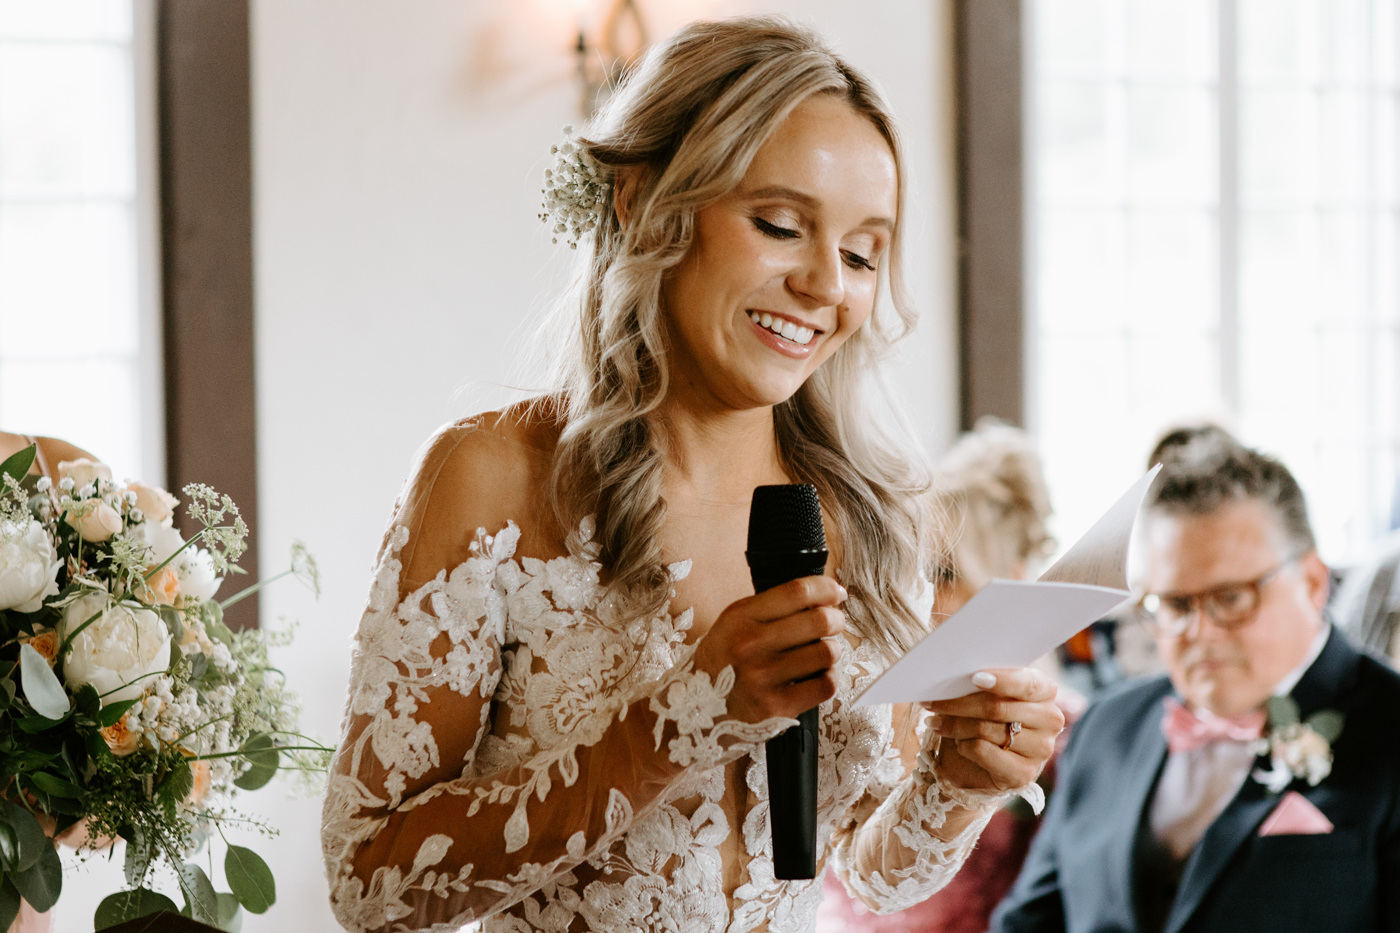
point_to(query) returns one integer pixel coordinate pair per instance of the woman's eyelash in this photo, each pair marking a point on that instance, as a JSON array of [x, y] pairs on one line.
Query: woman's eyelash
[[773, 230], [860, 262]]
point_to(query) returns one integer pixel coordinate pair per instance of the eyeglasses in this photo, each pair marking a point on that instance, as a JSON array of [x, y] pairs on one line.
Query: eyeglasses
[[1230, 606]]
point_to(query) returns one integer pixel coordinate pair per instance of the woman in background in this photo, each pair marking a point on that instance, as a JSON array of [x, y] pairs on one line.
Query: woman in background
[[51, 452], [991, 487]]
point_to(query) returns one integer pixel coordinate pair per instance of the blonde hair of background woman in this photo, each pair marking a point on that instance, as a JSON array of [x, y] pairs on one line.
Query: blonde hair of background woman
[[992, 481], [688, 122]]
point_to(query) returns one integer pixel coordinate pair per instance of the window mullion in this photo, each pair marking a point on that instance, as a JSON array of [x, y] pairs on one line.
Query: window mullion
[[1228, 203]]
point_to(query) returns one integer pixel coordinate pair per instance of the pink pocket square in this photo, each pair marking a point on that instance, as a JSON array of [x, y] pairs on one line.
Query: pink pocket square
[[1295, 816]]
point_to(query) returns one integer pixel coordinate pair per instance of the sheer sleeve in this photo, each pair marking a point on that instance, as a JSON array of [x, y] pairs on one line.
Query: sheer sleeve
[[437, 813], [892, 855]]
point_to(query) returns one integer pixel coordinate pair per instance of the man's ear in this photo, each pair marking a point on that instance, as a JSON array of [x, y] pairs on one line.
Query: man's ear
[[627, 181], [1317, 578]]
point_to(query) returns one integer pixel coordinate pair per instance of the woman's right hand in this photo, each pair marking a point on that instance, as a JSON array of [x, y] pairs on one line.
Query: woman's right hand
[[783, 644]]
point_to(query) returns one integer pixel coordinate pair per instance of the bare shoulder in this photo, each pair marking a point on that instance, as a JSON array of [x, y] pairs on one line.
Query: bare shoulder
[[481, 473], [55, 451]]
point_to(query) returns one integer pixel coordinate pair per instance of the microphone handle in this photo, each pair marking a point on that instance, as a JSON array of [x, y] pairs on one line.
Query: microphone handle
[[791, 756]]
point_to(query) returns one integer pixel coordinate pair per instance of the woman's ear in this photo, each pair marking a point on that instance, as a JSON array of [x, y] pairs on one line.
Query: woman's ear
[[627, 181]]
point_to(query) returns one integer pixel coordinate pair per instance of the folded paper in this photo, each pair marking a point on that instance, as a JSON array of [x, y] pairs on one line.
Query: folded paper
[[1011, 623]]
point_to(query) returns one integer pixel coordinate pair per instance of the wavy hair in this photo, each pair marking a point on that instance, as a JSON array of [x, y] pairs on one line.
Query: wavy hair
[[688, 123]]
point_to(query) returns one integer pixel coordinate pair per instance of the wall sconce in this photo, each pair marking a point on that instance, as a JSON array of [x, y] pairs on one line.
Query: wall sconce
[[618, 41]]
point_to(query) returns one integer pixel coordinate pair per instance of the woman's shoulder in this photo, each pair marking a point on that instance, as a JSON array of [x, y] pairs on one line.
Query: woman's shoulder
[[481, 472]]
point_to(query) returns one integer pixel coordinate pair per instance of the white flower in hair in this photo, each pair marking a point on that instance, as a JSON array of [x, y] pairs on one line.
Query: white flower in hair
[[574, 190]]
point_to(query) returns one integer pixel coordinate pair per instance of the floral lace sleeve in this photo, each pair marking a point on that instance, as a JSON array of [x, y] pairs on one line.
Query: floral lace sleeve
[[444, 805]]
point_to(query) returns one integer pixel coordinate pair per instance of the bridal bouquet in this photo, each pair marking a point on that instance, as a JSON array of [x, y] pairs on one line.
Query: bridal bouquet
[[127, 708]]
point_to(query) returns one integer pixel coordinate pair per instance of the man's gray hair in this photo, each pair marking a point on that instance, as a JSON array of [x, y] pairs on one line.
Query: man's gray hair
[[1204, 467]]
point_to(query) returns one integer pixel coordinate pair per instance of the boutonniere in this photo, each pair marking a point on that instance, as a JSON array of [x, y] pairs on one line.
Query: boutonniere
[[1297, 748]]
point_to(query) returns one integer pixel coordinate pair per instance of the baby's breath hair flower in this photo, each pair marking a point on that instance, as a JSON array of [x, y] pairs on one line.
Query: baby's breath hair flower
[[575, 188]]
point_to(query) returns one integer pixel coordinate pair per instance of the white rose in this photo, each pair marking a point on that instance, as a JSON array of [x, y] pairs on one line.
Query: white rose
[[155, 504], [195, 569], [28, 566], [121, 649], [162, 541], [83, 471]]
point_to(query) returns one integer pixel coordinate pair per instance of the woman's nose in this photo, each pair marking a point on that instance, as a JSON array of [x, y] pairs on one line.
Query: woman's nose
[[820, 279]]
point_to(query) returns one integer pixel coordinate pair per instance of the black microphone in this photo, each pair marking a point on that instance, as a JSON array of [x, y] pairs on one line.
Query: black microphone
[[786, 541]]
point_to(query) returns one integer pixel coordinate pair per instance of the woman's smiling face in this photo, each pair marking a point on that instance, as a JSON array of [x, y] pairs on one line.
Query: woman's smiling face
[[785, 268]]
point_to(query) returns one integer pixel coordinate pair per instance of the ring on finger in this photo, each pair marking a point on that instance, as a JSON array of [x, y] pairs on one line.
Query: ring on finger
[[1013, 729]]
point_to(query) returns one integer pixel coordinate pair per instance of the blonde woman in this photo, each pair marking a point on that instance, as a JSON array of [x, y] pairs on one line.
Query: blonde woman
[[563, 681]]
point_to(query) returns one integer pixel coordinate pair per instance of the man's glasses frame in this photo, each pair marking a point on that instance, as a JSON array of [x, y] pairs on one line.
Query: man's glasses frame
[[1228, 606]]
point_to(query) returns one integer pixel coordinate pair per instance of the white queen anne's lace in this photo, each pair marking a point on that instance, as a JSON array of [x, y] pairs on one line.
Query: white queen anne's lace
[[523, 748]]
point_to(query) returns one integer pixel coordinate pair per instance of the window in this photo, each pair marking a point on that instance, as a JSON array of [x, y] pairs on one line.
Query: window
[[79, 317], [1216, 233]]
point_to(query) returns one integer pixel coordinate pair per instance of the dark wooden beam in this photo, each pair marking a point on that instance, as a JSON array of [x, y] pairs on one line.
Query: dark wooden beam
[[207, 257], [991, 261]]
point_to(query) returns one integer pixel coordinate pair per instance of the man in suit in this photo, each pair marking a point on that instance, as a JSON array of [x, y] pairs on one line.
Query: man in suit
[[1170, 813]]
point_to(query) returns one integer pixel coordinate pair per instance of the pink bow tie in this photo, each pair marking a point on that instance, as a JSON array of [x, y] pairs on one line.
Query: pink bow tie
[[1185, 731]]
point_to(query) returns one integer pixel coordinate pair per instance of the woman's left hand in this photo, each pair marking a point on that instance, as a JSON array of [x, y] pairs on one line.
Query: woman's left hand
[[981, 748]]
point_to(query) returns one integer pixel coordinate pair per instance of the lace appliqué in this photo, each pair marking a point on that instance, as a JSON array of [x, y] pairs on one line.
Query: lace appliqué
[[503, 684]]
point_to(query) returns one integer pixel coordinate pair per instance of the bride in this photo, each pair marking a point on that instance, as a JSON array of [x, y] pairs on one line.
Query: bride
[[563, 681]]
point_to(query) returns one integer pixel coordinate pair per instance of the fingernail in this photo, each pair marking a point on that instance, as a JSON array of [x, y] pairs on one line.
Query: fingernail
[[984, 680], [843, 592], [935, 722]]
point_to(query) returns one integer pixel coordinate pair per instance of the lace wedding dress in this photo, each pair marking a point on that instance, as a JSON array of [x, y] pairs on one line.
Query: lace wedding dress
[[521, 746]]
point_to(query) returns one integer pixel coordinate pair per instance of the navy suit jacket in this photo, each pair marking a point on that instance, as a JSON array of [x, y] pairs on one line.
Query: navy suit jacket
[[1078, 877]]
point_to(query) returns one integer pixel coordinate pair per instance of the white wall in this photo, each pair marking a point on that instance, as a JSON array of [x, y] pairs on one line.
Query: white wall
[[398, 149]]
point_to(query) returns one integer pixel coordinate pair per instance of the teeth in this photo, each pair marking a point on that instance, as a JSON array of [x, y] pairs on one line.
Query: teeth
[[786, 329]]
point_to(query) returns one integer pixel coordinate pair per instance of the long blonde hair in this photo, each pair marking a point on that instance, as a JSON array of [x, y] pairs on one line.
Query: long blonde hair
[[689, 121]]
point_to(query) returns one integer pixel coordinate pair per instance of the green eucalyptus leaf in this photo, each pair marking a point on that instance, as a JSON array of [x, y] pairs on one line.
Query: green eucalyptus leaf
[[200, 899], [114, 711], [178, 782], [87, 702], [250, 879], [56, 786], [199, 666], [29, 836], [9, 847], [19, 463], [128, 905], [230, 913], [9, 904], [138, 858], [1327, 723], [41, 884], [263, 758], [171, 618], [1283, 711], [41, 687]]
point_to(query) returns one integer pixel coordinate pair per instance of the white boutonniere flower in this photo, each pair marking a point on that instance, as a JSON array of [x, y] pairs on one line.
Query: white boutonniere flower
[[1297, 749]]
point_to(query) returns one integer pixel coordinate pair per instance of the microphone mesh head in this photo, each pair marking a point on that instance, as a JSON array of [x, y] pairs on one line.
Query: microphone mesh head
[[786, 518]]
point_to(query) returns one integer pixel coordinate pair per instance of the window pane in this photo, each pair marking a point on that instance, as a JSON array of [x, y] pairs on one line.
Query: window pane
[[66, 121], [1075, 157], [1172, 39], [65, 19], [67, 280], [1279, 41], [1278, 269], [1171, 269], [1072, 35], [1171, 144], [55, 398], [1081, 280], [1278, 145]]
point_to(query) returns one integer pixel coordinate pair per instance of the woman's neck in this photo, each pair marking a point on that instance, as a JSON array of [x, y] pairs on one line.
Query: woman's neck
[[718, 457]]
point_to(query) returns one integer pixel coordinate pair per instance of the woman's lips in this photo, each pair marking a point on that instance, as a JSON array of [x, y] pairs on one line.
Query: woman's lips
[[783, 345]]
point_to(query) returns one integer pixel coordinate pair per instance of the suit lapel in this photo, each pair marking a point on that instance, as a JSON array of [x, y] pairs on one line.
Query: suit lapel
[[1144, 767], [1330, 676]]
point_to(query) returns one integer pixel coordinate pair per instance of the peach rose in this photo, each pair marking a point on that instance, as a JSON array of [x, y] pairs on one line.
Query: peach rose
[[202, 781], [95, 520], [155, 504], [163, 589], [121, 740], [83, 471], [46, 643]]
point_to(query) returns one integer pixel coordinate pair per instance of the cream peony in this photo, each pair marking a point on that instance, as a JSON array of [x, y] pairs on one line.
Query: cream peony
[[28, 566], [95, 520], [83, 471], [155, 504], [194, 568], [118, 651]]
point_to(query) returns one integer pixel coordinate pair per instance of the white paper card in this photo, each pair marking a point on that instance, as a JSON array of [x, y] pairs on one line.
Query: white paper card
[[1010, 623]]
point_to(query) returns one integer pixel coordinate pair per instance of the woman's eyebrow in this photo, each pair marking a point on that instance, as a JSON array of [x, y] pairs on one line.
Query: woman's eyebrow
[[806, 200]]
